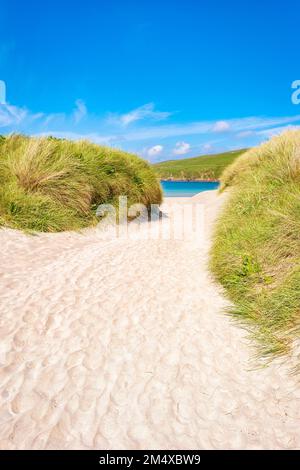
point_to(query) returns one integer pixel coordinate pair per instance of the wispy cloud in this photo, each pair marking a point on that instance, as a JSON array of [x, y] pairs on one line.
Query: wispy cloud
[[80, 111], [145, 112], [92, 136], [144, 129], [207, 147], [206, 127], [244, 134], [21, 119], [11, 115], [276, 130]]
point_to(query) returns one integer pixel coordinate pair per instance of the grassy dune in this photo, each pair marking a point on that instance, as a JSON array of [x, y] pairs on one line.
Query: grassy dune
[[256, 251], [52, 185], [206, 167]]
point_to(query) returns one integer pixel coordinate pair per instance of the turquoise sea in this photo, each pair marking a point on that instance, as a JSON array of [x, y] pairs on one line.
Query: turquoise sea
[[187, 188]]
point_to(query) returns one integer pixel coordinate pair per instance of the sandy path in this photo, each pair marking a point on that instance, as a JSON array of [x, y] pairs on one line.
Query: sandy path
[[123, 344]]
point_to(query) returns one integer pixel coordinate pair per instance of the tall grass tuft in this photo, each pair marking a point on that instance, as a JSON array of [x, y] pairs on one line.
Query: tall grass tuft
[[52, 185], [256, 249]]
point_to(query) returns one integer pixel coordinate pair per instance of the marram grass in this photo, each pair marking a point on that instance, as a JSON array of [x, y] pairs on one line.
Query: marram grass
[[256, 249], [52, 185]]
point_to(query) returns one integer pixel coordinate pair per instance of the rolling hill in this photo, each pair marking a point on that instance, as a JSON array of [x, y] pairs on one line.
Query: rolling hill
[[206, 167]]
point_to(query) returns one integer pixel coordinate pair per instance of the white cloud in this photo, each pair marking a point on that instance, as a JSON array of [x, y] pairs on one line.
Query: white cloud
[[155, 150], [147, 111], [181, 148], [221, 126], [54, 118], [80, 111]]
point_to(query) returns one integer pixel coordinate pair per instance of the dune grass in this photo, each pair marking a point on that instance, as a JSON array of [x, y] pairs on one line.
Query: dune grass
[[52, 185], [206, 167], [256, 249]]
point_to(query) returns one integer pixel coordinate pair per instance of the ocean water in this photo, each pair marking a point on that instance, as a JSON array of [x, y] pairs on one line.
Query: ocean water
[[187, 188]]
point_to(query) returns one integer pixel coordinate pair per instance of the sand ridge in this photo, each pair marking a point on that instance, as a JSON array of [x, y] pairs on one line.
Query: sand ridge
[[123, 344]]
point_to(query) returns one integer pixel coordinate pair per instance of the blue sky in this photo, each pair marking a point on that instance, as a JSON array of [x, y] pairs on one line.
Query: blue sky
[[164, 79]]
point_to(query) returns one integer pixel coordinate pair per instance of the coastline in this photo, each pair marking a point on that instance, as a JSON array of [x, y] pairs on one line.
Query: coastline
[[189, 180]]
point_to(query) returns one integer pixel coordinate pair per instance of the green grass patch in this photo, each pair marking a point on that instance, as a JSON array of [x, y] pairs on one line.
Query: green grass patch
[[52, 185], [256, 249], [206, 167]]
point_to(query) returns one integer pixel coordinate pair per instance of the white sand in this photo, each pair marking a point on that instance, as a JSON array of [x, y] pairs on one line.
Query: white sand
[[123, 345]]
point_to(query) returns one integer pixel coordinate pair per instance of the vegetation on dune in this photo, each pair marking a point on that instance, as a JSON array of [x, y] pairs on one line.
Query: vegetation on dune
[[206, 167], [51, 185], [256, 249]]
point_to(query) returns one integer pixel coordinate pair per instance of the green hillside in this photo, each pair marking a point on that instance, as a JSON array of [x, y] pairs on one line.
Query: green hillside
[[206, 167]]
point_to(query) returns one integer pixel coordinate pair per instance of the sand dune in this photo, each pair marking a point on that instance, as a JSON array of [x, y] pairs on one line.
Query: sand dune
[[123, 344]]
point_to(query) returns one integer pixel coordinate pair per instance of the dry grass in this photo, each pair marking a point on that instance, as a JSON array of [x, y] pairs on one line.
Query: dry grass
[[256, 252], [53, 185]]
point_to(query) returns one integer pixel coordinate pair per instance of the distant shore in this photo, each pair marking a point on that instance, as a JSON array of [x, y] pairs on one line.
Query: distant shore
[[205, 168], [185, 180]]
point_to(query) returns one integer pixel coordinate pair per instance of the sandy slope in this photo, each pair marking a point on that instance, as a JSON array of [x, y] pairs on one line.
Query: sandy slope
[[123, 344]]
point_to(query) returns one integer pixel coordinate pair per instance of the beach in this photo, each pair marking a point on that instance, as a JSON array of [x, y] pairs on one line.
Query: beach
[[125, 344]]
